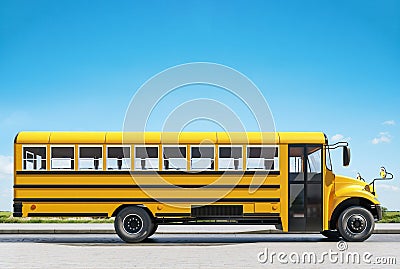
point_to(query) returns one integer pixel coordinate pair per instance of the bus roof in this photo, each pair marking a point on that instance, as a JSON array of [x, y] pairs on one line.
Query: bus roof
[[169, 137]]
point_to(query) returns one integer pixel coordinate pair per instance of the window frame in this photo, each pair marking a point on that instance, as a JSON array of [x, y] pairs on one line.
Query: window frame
[[119, 146], [101, 168], [174, 146], [62, 146], [328, 160], [276, 167], [145, 146], [231, 146], [202, 146], [33, 146]]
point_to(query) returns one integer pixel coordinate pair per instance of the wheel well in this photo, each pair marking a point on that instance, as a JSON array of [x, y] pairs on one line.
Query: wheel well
[[357, 201], [116, 211]]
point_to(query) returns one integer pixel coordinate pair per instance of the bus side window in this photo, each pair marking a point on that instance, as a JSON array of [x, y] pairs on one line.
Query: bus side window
[[174, 157], [230, 158], [202, 158], [62, 158], [146, 158], [118, 158], [296, 163], [263, 158], [90, 158], [314, 163], [34, 158]]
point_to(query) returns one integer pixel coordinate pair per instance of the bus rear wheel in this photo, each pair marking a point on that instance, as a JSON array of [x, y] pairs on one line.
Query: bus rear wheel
[[133, 224], [154, 229], [356, 224]]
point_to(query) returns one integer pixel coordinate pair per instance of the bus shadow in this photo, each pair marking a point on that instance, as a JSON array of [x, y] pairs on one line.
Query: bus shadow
[[164, 239]]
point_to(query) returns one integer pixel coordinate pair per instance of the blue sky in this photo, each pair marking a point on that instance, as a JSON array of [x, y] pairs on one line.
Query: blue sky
[[331, 66]]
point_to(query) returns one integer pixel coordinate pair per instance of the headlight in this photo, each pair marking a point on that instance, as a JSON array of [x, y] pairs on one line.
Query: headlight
[[367, 188]]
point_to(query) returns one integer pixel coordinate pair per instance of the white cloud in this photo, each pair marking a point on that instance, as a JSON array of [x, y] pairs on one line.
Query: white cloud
[[389, 187], [339, 137], [384, 137], [6, 165], [389, 122]]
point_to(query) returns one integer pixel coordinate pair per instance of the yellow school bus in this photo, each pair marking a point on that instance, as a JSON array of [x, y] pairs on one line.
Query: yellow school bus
[[153, 178]]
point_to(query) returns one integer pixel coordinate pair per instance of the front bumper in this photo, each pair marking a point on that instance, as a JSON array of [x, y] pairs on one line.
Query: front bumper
[[17, 209], [378, 209]]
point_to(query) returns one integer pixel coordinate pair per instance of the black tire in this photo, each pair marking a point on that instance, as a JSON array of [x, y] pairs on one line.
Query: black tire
[[333, 235], [155, 226], [356, 224], [133, 224]]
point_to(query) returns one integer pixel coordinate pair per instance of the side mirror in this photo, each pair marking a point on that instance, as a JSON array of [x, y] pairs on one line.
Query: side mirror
[[346, 156]]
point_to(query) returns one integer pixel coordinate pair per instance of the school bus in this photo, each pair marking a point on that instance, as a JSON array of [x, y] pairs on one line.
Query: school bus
[[153, 178]]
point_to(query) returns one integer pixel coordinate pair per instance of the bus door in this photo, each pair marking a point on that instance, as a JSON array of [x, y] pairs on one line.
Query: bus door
[[305, 187]]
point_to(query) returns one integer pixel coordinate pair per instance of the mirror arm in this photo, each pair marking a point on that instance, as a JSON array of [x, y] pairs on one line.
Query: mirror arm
[[373, 181], [337, 145]]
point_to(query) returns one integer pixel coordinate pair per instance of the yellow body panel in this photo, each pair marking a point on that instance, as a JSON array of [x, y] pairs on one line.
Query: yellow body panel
[[32, 138], [302, 138], [347, 188], [169, 137], [72, 137]]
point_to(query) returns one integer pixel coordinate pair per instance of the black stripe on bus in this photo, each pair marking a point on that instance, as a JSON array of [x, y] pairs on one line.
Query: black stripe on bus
[[95, 186], [172, 214], [67, 214], [245, 214], [261, 214], [139, 200], [175, 172]]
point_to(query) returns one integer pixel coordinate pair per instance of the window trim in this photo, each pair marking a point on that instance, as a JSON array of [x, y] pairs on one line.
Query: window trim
[[62, 146], [231, 146], [118, 146], [277, 169], [173, 146], [328, 159], [158, 158], [33, 146], [201, 146]]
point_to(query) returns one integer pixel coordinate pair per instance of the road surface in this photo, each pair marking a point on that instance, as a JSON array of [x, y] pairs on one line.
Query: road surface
[[194, 251]]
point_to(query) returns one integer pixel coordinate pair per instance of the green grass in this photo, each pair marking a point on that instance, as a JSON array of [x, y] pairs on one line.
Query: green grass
[[4, 214], [6, 217], [391, 217]]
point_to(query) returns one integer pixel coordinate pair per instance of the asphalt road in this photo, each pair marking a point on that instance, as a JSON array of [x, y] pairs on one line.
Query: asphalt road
[[194, 251]]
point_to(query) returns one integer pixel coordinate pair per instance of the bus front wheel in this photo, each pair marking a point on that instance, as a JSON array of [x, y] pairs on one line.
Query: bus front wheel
[[133, 224], [356, 224]]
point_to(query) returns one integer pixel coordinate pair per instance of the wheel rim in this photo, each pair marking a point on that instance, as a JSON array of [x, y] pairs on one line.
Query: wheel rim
[[132, 224], [356, 223]]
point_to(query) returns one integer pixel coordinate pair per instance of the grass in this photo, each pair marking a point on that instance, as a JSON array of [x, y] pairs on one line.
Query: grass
[[6, 217], [391, 217]]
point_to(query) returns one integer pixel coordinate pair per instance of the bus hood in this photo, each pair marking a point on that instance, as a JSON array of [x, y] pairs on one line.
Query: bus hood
[[351, 187]]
